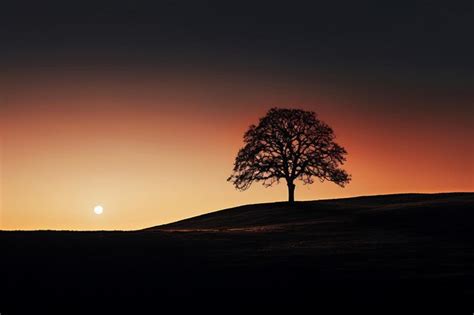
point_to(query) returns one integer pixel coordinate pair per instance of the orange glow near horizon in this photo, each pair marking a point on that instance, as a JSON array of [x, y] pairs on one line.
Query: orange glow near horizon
[[158, 150]]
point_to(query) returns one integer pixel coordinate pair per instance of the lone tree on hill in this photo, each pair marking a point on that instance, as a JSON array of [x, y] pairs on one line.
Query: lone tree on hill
[[290, 144]]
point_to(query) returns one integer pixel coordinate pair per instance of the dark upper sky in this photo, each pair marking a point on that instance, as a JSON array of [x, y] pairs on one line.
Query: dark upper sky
[[420, 38]]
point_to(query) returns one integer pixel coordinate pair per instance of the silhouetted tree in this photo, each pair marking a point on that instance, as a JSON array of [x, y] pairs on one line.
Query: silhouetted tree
[[289, 144]]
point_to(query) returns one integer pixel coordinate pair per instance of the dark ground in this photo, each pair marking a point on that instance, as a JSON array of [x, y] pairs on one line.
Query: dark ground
[[391, 252]]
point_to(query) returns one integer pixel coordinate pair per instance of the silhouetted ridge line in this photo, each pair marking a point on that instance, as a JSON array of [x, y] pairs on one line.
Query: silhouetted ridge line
[[310, 212]]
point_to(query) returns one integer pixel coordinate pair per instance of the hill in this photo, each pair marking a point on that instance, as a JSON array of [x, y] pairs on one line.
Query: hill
[[400, 210], [375, 250]]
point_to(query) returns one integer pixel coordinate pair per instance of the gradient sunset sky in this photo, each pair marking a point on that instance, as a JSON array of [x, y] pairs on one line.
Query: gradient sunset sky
[[142, 109]]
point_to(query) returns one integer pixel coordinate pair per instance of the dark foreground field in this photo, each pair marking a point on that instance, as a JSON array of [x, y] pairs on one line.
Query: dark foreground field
[[382, 251]]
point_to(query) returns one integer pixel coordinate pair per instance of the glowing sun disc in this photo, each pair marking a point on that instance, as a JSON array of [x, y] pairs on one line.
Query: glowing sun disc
[[98, 209]]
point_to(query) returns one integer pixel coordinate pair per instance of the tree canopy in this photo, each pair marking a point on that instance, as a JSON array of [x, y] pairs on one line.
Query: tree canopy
[[289, 144]]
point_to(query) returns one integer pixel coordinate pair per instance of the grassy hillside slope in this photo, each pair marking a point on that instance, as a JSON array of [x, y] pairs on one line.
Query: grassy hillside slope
[[378, 249]]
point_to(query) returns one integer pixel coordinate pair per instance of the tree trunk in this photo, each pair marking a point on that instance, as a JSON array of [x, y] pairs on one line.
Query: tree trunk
[[291, 192]]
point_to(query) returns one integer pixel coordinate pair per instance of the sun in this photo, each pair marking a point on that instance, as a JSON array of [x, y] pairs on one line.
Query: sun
[[98, 209]]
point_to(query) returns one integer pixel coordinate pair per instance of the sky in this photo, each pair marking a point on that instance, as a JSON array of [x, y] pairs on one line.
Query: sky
[[142, 108]]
